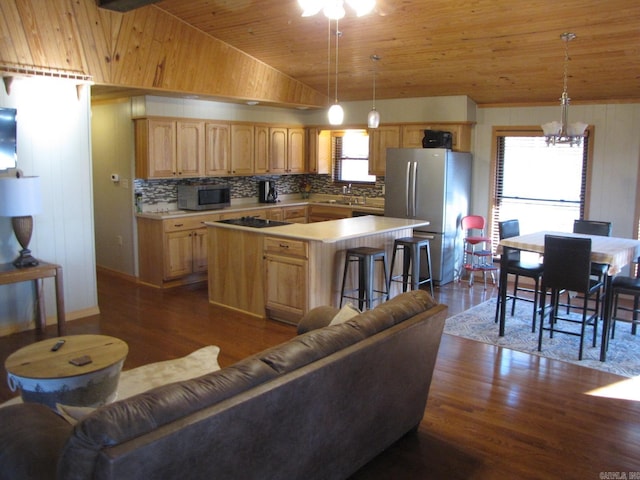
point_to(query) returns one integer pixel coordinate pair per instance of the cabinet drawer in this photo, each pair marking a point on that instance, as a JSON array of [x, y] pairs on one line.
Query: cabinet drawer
[[294, 212], [187, 223], [285, 246]]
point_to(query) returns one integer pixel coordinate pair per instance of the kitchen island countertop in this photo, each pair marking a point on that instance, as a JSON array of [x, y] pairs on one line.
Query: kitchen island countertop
[[333, 230]]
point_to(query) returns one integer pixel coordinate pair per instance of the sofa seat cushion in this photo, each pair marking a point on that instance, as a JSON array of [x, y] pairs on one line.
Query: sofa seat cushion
[[124, 420]]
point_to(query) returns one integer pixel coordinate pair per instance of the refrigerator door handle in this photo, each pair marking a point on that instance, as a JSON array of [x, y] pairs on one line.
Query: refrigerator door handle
[[407, 189], [412, 192]]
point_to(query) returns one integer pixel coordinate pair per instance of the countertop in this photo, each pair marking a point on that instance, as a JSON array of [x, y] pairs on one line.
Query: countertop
[[374, 207], [332, 231]]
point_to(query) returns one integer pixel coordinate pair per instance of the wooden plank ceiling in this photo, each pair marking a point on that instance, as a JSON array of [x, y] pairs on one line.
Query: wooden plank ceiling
[[494, 51]]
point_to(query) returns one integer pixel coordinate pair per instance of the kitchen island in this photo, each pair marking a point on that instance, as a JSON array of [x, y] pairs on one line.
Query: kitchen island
[[283, 271]]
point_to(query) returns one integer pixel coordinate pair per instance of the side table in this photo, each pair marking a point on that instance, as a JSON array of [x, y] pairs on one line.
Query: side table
[[11, 274], [49, 377]]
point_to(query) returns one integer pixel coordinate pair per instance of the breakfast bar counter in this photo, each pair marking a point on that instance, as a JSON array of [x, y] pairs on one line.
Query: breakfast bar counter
[[283, 271]]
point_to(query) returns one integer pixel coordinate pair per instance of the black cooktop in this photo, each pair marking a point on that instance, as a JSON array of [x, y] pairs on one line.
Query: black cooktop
[[253, 222]]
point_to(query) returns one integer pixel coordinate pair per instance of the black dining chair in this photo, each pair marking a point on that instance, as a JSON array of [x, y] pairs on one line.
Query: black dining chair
[[567, 266], [592, 227], [519, 268], [624, 285]]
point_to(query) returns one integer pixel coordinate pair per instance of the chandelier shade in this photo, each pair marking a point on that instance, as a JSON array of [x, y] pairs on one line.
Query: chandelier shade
[[336, 112], [373, 118], [563, 132]]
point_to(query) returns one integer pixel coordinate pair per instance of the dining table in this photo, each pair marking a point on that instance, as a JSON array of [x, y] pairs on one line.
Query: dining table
[[615, 252]]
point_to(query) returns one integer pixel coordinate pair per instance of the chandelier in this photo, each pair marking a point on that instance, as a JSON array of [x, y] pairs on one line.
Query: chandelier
[[563, 132], [334, 9]]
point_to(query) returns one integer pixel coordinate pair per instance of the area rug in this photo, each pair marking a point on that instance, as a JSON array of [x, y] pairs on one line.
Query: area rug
[[146, 377], [477, 323]]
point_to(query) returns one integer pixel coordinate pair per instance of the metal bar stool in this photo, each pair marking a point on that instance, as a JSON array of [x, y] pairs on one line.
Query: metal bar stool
[[412, 248], [366, 258]]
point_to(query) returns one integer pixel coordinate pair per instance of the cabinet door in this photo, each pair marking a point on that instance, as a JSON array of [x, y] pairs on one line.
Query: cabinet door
[[261, 149], [161, 148], [379, 140], [178, 254], [241, 149], [286, 284], [199, 239], [277, 150], [217, 147], [190, 148], [295, 150]]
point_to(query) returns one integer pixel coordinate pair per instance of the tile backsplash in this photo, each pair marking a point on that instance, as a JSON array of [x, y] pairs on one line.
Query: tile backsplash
[[160, 192]]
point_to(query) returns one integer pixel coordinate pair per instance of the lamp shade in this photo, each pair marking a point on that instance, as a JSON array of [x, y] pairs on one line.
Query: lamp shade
[[20, 196]]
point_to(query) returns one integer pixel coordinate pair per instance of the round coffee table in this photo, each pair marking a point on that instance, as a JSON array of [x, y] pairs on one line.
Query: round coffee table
[[84, 371]]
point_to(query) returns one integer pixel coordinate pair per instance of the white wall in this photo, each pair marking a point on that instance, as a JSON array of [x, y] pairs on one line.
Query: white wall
[[54, 144], [615, 157]]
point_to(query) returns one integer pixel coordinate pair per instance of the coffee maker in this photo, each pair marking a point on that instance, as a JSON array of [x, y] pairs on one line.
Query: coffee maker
[[267, 192]]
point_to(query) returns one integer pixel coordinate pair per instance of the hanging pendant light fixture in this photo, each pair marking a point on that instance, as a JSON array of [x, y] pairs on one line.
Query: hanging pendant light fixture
[[334, 9], [373, 119], [563, 132], [336, 113]]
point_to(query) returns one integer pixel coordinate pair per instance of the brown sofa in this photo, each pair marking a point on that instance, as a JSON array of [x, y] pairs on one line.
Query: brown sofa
[[319, 406]]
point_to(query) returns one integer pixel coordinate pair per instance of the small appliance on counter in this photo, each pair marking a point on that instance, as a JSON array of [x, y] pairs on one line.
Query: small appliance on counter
[[267, 192], [203, 197]]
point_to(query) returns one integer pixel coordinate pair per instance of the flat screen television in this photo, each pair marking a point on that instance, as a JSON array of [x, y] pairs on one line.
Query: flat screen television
[[8, 133]]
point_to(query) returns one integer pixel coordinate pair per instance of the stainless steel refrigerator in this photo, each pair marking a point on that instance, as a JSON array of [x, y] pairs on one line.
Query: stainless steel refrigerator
[[431, 184]]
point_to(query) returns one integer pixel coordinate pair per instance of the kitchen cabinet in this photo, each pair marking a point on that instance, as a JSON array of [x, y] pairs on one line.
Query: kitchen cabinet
[[286, 150], [261, 149], [321, 213], [318, 151], [217, 149], [412, 134], [286, 278], [242, 149], [380, 139], [296, 214], [173, 251], [167, 148]]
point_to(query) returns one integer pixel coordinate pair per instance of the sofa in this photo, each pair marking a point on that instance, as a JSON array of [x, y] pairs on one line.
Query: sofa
[[319, 406]]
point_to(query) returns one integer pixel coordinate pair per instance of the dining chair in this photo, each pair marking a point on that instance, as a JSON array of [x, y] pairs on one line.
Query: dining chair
[[592, 227], [626, 285], [567, 266], [519, 268], [477, 256]]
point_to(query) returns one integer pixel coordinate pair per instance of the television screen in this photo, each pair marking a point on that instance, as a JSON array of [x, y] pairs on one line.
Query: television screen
[[8, 133]]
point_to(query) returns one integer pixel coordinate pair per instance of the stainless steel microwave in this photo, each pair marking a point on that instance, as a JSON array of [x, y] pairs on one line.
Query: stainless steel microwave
[[203, 197]]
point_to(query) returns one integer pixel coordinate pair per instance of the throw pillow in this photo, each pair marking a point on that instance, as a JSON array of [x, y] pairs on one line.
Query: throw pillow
[[346, 313], [315, 318], [73, 414]]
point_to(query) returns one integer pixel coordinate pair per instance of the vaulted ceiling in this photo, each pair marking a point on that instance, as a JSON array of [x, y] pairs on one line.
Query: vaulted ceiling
[[494, 51]]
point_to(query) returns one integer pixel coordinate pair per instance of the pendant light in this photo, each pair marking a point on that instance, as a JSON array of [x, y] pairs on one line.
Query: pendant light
[[562, 131], [373, 119], [336, 113]]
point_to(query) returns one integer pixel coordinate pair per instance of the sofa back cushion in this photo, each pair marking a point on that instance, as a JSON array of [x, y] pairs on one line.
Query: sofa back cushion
[[121, 421]]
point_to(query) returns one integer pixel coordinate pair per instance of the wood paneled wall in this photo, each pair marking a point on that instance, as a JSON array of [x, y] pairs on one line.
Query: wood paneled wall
[[145, 48]]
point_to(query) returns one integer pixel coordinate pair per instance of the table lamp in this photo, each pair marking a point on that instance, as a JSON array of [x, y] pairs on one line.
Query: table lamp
[[20, 198]]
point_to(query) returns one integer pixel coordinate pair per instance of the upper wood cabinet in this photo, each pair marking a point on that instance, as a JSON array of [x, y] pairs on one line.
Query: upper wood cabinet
[[217, 148], [242, 149], [286, 150], [412, 134], [169, 148], [380, 139], [318, 151], [261, 149]]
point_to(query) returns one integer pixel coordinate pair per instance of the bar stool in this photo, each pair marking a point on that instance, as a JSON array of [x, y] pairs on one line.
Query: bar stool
[[366, 258], [412, 248]]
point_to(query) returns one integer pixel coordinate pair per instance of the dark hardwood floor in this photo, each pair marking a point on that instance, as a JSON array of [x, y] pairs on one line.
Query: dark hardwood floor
[[491, 413]]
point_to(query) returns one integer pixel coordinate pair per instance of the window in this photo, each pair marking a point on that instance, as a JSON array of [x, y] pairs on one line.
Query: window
[[351, 157], [543, 187]]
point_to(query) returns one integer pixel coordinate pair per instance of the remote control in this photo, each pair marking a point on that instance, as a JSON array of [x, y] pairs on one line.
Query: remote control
[[57, 346]]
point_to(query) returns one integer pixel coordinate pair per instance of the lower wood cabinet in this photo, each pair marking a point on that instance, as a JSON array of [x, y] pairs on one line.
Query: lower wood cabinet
[[174, 251], [286, 267], [321, 213]]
